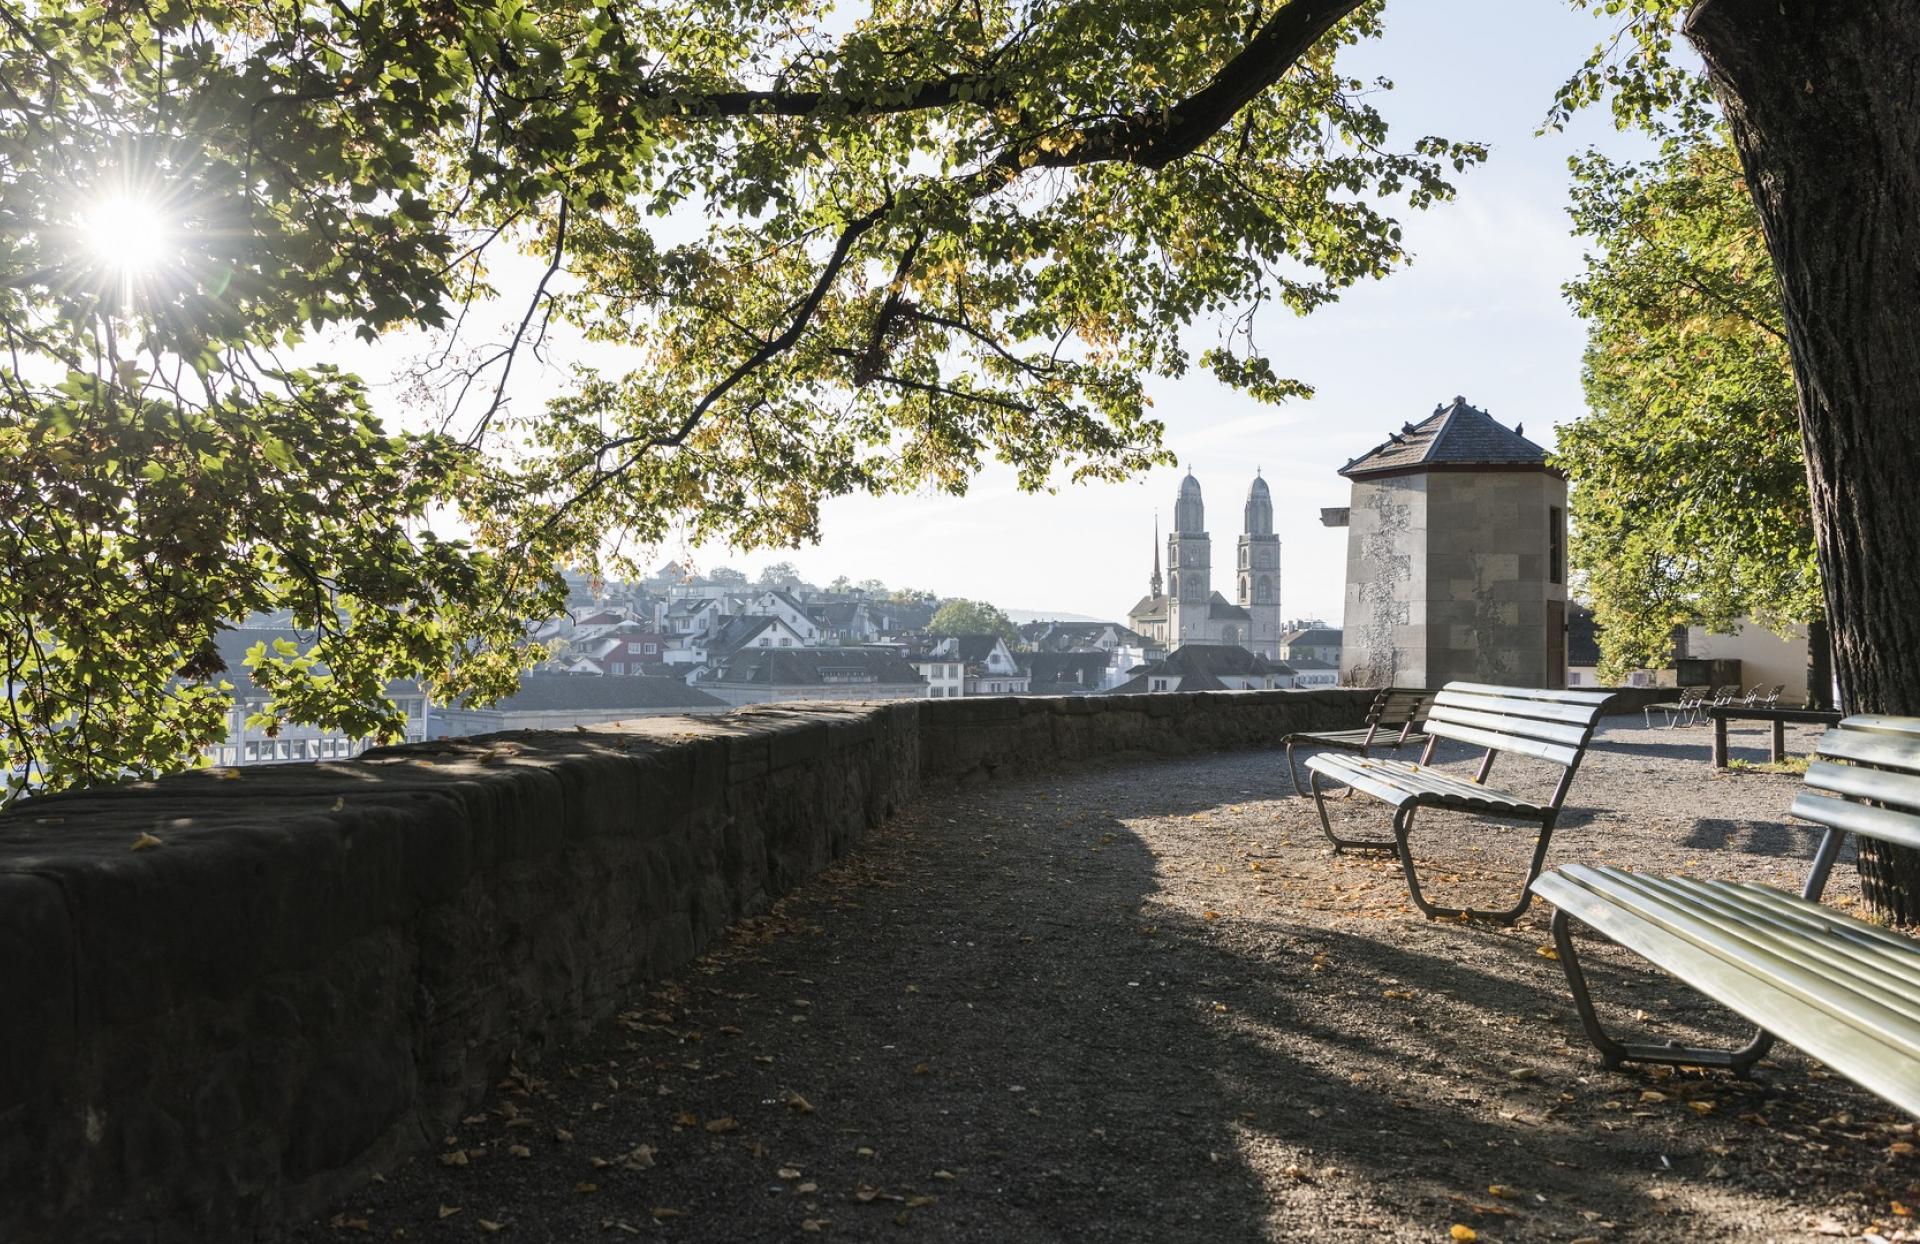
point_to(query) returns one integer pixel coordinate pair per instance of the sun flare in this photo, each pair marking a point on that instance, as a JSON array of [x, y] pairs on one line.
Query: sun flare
[[127, 235]]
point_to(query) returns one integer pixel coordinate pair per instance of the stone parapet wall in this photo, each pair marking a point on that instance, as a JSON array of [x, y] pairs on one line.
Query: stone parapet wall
[[313, 969]]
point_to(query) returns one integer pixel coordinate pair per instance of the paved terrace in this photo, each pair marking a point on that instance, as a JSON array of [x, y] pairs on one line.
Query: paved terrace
[[1145, 1003]]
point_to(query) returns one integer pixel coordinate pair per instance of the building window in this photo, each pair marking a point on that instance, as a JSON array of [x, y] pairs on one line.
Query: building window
[[937, 693], [786, 643], [1556, 544], [652, 648], [635, 647]]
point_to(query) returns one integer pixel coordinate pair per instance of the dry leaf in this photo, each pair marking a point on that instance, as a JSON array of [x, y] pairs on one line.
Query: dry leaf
[[918, 1202], [684, 1119], [943, 1175], [788, 1172], [725, 1124], [584, 1187], [661, 1213], [813, 1224], [1700, 1107], [797, 1103], [1502, 1191], [806, 1189], [1463, 1233], [639, 1159], [489, 1227], [1653, 1095], [457, 1158], [145, 842], [865, 1193], [448, 1211], [1547, 952], [520, 1151]]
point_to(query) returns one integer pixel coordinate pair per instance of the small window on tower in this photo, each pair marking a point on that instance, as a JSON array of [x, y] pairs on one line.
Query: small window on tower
[[1556, 544]]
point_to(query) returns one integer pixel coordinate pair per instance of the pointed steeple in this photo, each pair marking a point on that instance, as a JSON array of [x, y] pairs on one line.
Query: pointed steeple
[[1155, 582]]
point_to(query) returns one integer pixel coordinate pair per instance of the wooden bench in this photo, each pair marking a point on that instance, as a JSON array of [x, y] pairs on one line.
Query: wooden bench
[[1554, 726], [1724, 713], [1845, 991], [1391, 723]]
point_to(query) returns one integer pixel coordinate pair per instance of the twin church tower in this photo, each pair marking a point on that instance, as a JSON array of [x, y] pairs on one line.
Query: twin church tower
[[1185, 609]]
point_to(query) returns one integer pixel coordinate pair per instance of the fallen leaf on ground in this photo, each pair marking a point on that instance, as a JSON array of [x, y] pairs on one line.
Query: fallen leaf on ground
[[726, 1124], [662, 1212], [448, 1211], [146, 842], [457, 1158], [1547, 952], [1462, 1232], [489, 1227], [797, 1103]]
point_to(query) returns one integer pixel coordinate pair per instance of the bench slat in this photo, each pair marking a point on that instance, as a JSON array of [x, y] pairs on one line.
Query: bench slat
[[1555, 752], [1382, 737], [1736, 915], [1864, 1014], [1870, 747], [1595, 698], [1874, 1065], [1906, 727], [1870, 938], [1880, 785], [1499, 723], [1399, 782], [1857, 818], [1580, 714]]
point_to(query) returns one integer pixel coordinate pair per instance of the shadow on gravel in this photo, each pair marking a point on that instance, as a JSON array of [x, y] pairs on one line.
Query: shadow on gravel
[[1777, 839], [1006, 1019]]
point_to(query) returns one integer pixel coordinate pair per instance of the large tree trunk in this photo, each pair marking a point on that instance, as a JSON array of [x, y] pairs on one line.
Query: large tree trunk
[[1824, 100]]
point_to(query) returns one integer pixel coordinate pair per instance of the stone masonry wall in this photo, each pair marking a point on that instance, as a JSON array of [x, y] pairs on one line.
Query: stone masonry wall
[[318, 967]]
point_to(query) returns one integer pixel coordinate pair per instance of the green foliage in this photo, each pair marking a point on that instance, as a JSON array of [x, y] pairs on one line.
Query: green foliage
[[843, 252], [1690, 489], [973, 617]]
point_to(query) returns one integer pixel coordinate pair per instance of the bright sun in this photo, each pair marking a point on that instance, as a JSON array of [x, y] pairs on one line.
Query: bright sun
[[128, 235]]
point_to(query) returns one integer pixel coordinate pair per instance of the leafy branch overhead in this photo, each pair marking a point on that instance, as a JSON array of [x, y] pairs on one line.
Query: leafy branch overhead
[[829, 253]]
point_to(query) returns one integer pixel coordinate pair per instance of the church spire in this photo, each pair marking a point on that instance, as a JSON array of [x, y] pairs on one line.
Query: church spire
[[1155, 581]]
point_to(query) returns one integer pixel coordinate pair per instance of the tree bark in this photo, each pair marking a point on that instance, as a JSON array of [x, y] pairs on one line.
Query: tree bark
[[1824, 100], [1819, 665]]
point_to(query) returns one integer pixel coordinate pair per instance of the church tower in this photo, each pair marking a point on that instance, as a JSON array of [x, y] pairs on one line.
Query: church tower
[[1189, 568], [1259, 572]]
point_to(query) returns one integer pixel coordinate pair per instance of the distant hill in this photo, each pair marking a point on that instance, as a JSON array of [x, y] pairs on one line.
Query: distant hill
[[1020, 617]]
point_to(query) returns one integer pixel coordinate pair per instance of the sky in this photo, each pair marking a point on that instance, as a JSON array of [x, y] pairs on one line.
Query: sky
[[1478, 314]]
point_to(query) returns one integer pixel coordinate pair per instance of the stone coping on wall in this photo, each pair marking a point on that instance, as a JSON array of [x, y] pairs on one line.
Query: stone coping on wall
[[228, 996]]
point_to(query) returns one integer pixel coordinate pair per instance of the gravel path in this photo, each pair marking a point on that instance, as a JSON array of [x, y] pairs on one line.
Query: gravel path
[[1144, 1003]]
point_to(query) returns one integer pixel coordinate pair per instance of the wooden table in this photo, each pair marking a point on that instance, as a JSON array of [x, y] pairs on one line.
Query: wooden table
[[1724, 713]]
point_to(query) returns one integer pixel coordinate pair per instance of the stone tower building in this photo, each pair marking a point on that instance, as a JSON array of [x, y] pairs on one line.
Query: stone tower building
[[1456, 557], [1259, 570], [1190, 611], [1189, 567]]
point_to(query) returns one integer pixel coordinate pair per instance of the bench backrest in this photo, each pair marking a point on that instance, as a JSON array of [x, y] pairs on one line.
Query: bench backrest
[[1554, 726], [1396, 706], [1864, 779]]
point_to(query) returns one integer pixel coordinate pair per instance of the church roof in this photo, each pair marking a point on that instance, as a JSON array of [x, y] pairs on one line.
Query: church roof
[[1455, 435], [1220, 609], [1149, 606]]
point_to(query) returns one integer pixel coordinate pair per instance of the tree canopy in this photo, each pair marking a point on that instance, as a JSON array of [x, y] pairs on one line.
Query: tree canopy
[[973, 617], [1690, 496], [835, 253]]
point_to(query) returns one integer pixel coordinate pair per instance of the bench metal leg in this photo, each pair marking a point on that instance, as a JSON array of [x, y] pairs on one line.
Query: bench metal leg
[[1615, 1053], [1326, 826], [1403, 827], [1293, 771]]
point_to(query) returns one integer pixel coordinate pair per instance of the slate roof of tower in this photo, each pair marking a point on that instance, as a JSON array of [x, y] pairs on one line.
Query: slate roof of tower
[[1454, 435]]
